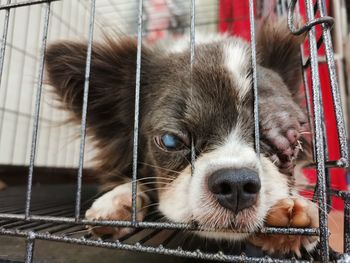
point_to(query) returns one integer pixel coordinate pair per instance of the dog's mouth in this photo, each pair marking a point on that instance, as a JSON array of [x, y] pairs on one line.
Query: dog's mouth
[[230, 226], [223, 221]]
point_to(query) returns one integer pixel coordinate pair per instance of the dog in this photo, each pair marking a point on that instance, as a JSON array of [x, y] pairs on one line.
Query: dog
[[229, 188]]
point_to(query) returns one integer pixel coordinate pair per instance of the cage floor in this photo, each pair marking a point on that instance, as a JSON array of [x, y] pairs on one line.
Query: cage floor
[[58, 200]]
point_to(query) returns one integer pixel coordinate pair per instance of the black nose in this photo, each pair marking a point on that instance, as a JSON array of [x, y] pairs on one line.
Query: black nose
[[235, 189]]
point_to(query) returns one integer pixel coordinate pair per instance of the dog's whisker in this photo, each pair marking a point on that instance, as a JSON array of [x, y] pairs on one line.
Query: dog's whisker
[[154, 177], [154, 189], [153, 183], [150, 205], [275, 161], [159, 167], [305, 132], [300, 146], [80, 231], [152, 213], [160, 182]]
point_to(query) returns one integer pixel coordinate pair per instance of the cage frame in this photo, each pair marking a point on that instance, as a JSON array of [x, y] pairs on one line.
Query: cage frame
[[320, 148]]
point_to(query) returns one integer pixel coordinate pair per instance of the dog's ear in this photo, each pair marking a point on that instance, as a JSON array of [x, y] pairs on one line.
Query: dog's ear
[[112, 75], [278, 49], [111, 90], [111, 82]]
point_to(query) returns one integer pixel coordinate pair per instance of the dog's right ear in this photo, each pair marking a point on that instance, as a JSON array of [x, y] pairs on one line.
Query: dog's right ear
[[278, 49]]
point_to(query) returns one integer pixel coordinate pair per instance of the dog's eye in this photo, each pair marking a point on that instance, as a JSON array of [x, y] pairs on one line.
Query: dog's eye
[[169, 142]]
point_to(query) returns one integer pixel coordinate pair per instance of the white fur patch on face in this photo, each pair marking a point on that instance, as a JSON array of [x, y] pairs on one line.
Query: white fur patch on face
[[184, 43], [236, 60], [236, 57], [188, 197], [173, 202], [232, 153]]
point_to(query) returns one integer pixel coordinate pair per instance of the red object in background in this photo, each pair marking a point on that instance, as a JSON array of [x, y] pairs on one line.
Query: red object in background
[[159, 17], [234, 19]]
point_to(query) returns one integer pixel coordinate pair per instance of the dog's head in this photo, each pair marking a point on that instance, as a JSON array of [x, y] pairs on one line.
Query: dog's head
[[209, 105]]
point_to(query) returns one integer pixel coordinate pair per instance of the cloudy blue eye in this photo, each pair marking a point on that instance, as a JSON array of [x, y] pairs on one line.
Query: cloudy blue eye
[[169, 142]]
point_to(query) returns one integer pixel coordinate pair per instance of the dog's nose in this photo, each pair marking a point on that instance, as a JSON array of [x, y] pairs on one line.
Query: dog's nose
[[235, 189]]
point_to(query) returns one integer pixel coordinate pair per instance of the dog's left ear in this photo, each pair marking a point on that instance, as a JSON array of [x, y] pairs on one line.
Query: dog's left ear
[[110, 111], [278, 49]]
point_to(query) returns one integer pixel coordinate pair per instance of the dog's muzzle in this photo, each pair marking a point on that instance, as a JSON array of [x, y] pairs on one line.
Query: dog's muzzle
[[235, 189]]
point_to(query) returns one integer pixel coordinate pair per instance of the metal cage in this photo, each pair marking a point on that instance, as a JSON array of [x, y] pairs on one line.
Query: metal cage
[[56, 226]]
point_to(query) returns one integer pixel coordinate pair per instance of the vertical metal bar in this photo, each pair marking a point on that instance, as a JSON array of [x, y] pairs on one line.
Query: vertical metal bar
[[279, 8], [67, 136], [4, 39], [327, 172], [347, 222], [68, 151], [192, 57], [30, 248], [53, 149], [308, 101], [2, 60], [37, 109], [308, 108], [328, 189], [84, 110], [68, 20], [344, 161], [254, 75], [62, 115], [320, 157], [73, 145], [137, 111], [22, 63]]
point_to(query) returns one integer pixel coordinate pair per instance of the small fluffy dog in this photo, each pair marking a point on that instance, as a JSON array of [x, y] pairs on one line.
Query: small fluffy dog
[[231, 189]]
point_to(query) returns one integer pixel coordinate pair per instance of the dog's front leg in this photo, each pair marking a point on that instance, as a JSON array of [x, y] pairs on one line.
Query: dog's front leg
[[289, 212], [117, 205]]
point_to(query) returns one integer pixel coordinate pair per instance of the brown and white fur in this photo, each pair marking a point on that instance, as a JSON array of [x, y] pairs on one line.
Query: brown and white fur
[[213, 107]]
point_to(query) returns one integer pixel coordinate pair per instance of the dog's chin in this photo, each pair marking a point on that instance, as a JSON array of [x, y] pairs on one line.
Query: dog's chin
[[227, 226], [219, 235], [213, 220], [238, 228], [233, 234]]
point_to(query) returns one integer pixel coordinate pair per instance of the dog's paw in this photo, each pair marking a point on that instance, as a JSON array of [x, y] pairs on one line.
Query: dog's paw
[[281, 131], [3, 185], [116, 205], [290, 212]]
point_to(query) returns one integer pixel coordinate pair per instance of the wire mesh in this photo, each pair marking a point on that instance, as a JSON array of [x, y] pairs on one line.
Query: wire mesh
[[27, 224]]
